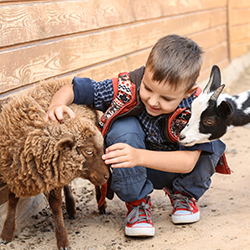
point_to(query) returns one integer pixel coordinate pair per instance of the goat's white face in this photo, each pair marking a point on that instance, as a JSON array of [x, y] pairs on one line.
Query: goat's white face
[[190, 135], [203, 125]]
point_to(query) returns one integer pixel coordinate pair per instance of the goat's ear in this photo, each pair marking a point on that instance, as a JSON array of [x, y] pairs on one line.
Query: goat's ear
[[214, 80], [67, 141], [226, 109]]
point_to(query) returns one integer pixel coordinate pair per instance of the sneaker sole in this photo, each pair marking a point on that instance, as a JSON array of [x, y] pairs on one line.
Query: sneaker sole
[[139, 231], [182, 219]]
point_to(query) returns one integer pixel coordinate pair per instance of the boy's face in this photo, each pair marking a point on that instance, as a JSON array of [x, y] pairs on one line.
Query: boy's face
[[161, 98]]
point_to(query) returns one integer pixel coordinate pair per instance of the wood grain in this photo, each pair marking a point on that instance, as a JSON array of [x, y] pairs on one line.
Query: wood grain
[[27, 22], [27, 64]]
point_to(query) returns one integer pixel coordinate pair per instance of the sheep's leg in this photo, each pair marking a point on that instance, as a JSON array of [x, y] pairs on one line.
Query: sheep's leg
[[55, 201], [70, 202], [109, 195], [10, 223], [98, 194]]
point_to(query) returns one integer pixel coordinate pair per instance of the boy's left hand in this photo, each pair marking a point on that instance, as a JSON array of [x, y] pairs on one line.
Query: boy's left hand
[[121, 155]]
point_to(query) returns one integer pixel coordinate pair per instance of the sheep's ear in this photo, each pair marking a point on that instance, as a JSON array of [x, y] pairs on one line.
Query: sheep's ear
[[67, 140], [214, 80], [226, 109]]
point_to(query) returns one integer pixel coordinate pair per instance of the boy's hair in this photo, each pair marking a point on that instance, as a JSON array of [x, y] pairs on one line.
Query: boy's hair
[[176, 60]]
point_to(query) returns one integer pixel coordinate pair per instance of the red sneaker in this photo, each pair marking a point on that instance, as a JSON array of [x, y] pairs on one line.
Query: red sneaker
[[139, 221], [185, 209]]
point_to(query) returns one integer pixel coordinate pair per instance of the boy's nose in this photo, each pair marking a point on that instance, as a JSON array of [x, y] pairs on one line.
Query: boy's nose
[[153, 102]]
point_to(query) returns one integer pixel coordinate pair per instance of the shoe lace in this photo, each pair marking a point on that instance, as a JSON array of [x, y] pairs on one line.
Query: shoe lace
[[138, 214], [181, 201]]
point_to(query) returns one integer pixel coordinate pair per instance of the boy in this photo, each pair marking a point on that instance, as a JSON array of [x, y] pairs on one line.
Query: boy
[[136, 109]]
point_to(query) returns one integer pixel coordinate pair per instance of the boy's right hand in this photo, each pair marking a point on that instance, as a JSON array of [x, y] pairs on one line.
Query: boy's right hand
[[56, 113]]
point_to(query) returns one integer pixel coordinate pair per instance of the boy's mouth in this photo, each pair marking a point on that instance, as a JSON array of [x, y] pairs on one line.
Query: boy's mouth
[[153, 109]]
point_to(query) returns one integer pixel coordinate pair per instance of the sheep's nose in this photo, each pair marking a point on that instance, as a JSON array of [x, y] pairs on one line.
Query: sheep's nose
[[106, 177], [182, 137]]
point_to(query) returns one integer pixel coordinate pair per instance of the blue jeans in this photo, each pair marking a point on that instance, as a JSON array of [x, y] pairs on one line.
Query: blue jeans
[[135, 183]]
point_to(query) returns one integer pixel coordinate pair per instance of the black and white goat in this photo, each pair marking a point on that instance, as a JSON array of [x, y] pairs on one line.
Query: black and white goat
[[214, 113]]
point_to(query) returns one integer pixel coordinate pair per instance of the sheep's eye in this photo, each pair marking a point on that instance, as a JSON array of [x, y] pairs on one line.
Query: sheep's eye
[[209, 121], [89, 152]]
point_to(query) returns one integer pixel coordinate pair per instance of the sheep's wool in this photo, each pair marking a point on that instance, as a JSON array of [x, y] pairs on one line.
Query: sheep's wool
[[37, 156]]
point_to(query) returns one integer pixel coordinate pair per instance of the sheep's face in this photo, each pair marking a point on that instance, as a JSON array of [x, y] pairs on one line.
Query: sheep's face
[[82, 148], [94, 169]]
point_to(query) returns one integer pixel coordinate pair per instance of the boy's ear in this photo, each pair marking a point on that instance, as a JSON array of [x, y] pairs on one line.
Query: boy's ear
[[191, 91]]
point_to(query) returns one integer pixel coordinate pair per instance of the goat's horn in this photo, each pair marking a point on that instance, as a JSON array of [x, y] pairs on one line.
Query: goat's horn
[[217, 92]]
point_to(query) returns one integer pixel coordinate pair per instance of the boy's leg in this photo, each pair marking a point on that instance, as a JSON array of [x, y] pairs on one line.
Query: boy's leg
[[183, 189], [131, 184], [197, 182]]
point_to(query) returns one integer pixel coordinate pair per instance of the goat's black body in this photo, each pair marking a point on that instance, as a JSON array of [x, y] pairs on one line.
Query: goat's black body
[[239, 116]]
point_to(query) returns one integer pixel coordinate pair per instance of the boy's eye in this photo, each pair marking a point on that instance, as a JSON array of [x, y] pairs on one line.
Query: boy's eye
[[147, 88], [166, 99]]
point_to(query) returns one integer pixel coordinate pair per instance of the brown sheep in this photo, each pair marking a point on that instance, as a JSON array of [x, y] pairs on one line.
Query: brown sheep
[[42, 157]]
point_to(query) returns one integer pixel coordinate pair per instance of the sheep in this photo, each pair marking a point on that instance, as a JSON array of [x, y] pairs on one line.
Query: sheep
[[38, 156], [214, 113]]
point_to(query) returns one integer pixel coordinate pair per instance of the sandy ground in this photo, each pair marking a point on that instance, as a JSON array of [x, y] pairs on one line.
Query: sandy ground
[[224, 223]]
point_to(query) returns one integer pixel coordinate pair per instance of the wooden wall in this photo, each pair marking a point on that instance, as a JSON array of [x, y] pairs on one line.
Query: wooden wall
[[99, 38], [239, 27]]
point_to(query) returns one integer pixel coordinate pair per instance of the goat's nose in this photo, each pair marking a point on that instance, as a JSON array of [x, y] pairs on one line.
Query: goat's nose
[[106, 177], [182, 137]]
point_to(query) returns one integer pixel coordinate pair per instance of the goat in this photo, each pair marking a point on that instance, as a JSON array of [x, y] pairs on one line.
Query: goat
[[214, 113]]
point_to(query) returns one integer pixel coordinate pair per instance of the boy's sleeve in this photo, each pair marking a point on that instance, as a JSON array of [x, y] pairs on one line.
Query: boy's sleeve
[[89, 92], [83, 91]]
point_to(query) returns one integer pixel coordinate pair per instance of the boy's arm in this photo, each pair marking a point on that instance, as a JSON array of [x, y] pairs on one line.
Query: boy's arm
[[59, 104], [122, 155]]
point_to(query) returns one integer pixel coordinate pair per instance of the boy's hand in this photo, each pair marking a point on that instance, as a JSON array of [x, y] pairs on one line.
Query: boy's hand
[[56, 113], [121, 155]]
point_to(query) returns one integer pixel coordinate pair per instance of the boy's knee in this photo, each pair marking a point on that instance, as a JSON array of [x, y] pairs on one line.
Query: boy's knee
[[127, 130]]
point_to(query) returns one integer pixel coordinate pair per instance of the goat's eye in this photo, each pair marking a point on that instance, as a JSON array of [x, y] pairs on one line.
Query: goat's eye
[[210, 121]]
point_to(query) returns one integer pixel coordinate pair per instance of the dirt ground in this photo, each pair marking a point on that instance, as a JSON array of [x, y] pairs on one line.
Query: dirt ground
[[224, 223]]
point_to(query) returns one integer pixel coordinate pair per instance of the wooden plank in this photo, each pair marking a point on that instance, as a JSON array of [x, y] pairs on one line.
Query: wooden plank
[[240, 33], [239, 4], [112, 68], [240, 16], [210, 37], [27, 21], [157, 8], [229, 12], [239, 49], [27, 64], [215, 54]]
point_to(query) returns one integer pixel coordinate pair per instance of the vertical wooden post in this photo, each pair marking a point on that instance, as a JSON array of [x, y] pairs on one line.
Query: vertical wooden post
[[229, 23]]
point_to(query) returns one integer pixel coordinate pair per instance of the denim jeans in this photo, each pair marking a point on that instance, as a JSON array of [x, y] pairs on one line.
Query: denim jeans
[[135, 183]]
